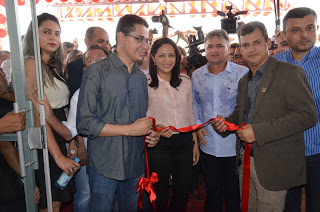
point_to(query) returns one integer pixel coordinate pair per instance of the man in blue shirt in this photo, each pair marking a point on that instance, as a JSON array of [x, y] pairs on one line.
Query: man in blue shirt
[[215, 88], [300, 28], [111, 111]]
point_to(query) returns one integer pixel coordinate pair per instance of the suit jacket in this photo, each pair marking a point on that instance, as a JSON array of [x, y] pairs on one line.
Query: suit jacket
[[75, 71], [284, 108]]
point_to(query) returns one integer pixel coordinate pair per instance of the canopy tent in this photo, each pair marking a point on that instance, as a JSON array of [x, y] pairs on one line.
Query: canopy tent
[[108, 9], [81, 14]]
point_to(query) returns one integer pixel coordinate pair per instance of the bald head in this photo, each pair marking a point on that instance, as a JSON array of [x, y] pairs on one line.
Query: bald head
[[96, 36]]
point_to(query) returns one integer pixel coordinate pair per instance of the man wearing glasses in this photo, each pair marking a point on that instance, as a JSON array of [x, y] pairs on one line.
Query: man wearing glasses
[[112, 107]]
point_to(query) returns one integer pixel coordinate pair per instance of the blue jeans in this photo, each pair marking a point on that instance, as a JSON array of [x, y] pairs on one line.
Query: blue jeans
[[109, 195], [82, 196]]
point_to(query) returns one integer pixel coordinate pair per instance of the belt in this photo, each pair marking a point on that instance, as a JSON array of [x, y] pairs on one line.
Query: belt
[[242, 145], [242, 152]]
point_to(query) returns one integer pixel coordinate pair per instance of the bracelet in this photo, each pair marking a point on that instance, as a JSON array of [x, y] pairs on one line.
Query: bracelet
[[195, 142]]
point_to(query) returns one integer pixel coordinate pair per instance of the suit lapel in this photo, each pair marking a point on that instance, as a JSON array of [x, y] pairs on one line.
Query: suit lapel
[[265, 81]]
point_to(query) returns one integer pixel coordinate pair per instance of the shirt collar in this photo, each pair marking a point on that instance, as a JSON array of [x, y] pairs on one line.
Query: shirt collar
[[306, 57], [161, 80], [114, 58], [118, 62], [261, 70], [227, 68]]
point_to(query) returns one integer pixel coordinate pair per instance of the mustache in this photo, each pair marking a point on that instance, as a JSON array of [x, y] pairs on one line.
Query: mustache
[[304, 40]]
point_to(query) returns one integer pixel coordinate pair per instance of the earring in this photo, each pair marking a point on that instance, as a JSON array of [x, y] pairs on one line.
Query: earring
[[154, 63]]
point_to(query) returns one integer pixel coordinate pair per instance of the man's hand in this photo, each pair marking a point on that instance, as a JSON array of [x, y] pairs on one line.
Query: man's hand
[[219, 125], [201, 133], [167, 133], [72, 150], [182, 36], [141, 127], [246, 134], [152, 139], [13, 122], [82, 151]]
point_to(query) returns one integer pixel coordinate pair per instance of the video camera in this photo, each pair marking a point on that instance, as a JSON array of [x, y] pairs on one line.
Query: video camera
[[230, 20], [195, 59], [154, 31], [194, 43]]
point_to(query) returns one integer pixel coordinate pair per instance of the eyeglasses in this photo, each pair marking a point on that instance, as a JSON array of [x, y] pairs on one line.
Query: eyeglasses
[[140, 41], [92, 61]]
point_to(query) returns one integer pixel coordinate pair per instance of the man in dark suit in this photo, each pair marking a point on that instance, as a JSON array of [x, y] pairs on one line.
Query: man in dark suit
[[275, 102], [95, 36]]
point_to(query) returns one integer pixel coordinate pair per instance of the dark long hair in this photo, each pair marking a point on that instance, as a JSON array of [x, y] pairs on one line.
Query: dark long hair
[[56, 59], [175, 72]]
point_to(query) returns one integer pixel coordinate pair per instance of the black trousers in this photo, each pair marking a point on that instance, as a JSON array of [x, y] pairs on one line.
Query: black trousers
[[313, 183], [219, 173], [172, 155], [293, 200]]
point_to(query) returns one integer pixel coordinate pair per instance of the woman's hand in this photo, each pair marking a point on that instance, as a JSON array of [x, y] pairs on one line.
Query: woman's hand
[[69, 166], [196, 154], [167, 133], [36, 195], [152, 139], [45, 102]]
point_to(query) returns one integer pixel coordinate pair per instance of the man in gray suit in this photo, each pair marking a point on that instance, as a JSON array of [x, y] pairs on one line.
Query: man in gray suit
[[275, 102]]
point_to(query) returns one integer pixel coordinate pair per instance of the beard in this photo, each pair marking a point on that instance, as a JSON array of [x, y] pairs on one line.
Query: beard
[[301, 48]]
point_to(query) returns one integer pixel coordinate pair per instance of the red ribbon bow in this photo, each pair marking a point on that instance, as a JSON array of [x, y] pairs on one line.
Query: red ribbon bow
[[147, 185]]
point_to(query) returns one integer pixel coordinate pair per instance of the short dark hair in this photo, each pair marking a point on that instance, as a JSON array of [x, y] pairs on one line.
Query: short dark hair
[[221, 33], [248, 28], [299, 12], [90, 32], [93, 48], [68, 44], [175, 73], [4, 52], [127, 24]]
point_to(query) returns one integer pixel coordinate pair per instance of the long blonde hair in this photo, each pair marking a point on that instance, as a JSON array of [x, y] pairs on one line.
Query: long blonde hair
[[56, 59]]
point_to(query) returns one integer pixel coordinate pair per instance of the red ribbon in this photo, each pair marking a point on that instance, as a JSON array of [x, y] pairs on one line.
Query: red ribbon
[[147, 183], [230, 126], [246, 178]]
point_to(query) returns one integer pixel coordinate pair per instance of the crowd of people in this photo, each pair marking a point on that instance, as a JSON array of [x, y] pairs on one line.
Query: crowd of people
[[98, 104]]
